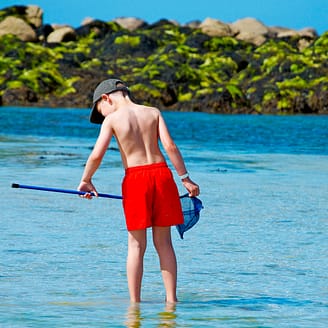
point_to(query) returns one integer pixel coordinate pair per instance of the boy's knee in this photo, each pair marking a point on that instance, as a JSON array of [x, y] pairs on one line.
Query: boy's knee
[[162, 243], [137, 247]]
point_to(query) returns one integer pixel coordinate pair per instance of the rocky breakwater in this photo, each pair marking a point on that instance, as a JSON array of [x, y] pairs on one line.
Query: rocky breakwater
[[210, 66]]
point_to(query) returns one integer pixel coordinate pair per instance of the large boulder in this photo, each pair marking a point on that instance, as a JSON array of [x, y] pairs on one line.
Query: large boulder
[[62, 34], [18, 27], [130, 23], [251, 25], [31, 14], [34, 15], [251, 30], [305, 32], [214, 27]]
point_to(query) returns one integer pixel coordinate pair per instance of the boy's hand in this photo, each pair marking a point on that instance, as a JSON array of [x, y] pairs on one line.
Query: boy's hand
[[191, 186], [89, 188]]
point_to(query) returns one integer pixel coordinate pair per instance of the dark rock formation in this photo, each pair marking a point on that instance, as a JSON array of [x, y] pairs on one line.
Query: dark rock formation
[[210, 66]]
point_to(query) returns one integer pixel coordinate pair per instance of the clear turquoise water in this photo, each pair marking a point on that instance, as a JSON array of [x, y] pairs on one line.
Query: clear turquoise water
[[257, 258]]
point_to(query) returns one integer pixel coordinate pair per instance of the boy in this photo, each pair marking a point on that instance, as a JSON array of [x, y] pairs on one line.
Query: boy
[[150, 195]]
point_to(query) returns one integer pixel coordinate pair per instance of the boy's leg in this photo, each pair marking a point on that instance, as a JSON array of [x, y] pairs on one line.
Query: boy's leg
[[137, 242], [163, 244]]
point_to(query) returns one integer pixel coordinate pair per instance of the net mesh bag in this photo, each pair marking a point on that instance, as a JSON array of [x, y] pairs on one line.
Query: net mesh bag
[[191, 207]]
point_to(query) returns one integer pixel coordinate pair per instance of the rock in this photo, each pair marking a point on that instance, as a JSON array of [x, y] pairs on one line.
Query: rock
[[214, 27], [308, 32], [251, 30], [303, 43], [193, 24], [306, 35], [31, 14], [234, 29], [19, 96], [97, 27], [44, 31], [87, 20], [282, 32], [130, 23], [256, 39], [171, 66], [18, 27], [62, 34], [287, 34], [251, 26], [274, 31], [34, 15], [163, 22]]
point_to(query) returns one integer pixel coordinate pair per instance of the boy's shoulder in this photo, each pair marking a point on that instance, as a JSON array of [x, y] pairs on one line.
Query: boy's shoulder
[[146, 107], [150, 109]]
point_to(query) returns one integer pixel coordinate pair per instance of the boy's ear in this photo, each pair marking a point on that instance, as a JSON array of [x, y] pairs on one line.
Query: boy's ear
[[106, 97]]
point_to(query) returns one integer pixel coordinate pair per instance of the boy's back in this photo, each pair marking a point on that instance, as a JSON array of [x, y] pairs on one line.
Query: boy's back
[[136, 129]]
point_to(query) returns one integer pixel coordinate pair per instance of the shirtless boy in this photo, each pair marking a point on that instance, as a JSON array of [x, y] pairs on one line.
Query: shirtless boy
[[150, 195]]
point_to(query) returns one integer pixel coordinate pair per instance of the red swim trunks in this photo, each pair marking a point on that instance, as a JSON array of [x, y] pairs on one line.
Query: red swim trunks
[[150, 197]]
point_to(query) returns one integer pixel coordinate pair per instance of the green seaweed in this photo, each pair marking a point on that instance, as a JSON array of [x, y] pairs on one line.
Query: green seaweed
[[235, 91], [174, 66], [133, 41]]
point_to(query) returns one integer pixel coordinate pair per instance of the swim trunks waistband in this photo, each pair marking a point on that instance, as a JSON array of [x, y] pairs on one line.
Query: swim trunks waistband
[[145, 167]]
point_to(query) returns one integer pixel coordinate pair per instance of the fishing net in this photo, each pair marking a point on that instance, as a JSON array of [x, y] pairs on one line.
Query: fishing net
[[191, 207]]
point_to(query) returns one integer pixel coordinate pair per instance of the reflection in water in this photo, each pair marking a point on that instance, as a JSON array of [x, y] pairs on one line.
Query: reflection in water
[[133, 317], [165, 318]]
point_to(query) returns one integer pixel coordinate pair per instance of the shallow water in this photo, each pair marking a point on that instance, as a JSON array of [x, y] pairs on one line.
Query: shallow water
[[256, 258]]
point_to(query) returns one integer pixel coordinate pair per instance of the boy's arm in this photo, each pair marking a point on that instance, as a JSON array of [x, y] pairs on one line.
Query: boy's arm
[[95, 158], [175, 157]]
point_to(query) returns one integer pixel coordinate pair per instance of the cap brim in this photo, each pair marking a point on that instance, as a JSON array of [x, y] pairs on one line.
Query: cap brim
[[95, 116]]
